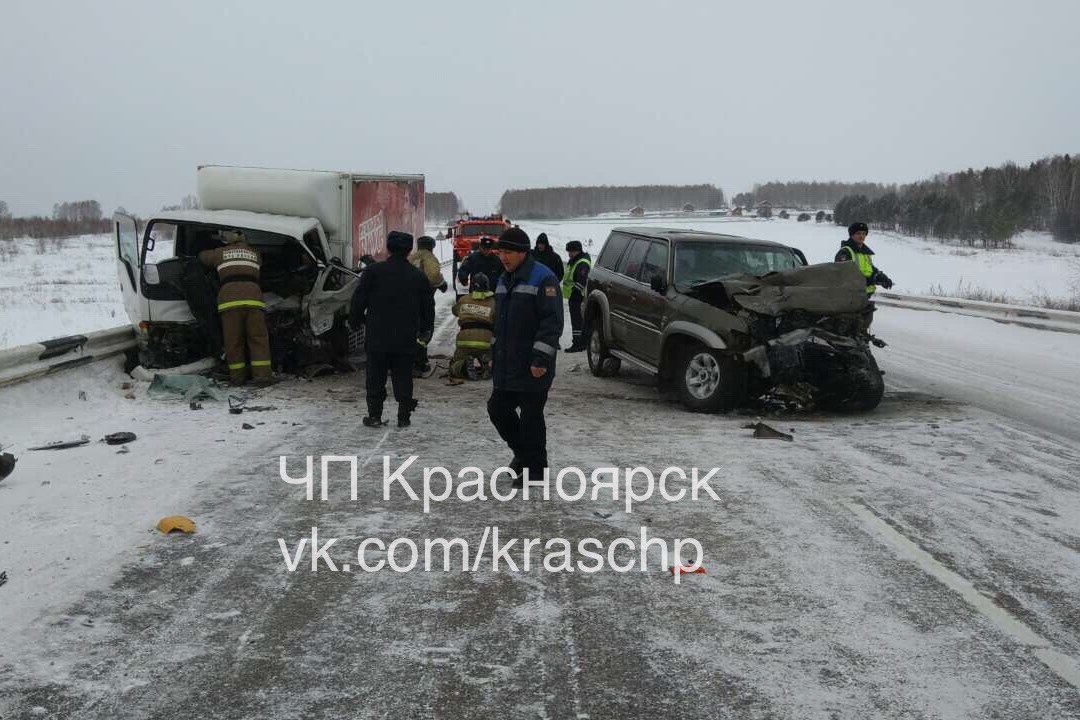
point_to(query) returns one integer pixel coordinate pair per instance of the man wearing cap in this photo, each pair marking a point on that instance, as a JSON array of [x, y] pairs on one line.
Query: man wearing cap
[[394, 302], [528, 325], [854, 249], [484, 261], [241, 307], [573, 289]]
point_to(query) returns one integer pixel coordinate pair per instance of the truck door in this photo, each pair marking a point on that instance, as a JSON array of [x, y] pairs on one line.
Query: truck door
[[162, 279], [333, 287], [128, 268]]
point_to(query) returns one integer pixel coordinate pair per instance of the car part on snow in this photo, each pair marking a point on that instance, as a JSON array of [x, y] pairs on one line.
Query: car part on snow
[[118, 438], [7, 464], [764, 432], [246, 426], [191, 387], [687, 570], [64, 444], [176, 523]]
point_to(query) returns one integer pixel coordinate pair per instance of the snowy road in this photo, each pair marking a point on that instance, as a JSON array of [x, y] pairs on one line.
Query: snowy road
[[920, 561]]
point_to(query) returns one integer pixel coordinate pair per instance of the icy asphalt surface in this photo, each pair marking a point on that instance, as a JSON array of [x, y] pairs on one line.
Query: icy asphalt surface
[[844, 569]]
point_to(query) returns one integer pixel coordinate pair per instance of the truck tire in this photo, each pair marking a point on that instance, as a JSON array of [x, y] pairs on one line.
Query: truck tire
[[601, 362], [707, 380]]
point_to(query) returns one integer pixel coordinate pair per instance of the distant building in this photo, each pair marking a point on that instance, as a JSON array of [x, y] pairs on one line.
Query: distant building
[[637, 211], [688, 208], [764, 209], [736, 211]]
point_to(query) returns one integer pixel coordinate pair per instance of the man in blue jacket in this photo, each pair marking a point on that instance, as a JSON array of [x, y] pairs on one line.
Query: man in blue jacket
[[528, 325]]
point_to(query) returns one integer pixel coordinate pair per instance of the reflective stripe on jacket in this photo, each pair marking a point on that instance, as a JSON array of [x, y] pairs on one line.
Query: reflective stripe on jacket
[[569, 282]]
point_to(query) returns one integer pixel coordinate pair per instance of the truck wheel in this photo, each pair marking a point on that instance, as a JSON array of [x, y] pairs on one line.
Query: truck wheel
[[601, 361], [708, 380]]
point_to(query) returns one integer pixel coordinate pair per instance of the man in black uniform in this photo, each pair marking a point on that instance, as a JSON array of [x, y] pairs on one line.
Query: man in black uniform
[[528, 325], [395, 301], [544, 253], [484, 261]]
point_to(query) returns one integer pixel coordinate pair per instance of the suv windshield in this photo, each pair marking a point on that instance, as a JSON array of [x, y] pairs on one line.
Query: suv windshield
[[698, 261]]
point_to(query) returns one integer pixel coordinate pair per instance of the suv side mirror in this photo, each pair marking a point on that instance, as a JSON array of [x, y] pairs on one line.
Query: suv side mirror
[[658, 283]]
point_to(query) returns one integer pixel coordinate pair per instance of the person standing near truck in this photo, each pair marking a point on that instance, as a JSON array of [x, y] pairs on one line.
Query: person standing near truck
[[528, 325], [394, 302], [483, 260], [423, 259], [241, 308]]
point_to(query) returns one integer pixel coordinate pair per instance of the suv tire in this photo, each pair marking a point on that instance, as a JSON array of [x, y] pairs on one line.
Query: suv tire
[[707, 380], [601, 362]]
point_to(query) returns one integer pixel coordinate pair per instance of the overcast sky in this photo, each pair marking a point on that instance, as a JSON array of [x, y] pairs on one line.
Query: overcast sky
[[119, 101]]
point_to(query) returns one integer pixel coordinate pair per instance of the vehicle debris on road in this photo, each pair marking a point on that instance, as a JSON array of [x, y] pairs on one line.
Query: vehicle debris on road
[[118, 438], [64, 444], [7, 464], [764, 432], [176, 523]]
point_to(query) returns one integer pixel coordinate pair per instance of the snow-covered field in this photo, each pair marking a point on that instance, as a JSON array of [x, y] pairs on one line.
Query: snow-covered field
[[60, 287], [1037, 267], [51, 288]]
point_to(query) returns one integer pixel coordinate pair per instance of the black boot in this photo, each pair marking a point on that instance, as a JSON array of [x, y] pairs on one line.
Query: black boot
[[374, 416]]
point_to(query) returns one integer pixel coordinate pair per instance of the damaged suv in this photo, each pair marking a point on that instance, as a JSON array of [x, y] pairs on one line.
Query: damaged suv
[[723, 319]]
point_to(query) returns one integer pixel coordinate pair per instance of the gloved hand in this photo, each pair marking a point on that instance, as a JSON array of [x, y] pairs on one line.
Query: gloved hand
[[880, 278]]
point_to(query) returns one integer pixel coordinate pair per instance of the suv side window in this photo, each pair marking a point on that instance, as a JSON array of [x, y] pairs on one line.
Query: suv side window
[[655, 262], [613, 250], [630, 264]]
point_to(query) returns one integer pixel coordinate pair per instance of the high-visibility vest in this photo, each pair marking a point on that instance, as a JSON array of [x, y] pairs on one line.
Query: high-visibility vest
[[866, 266], [568, 277]]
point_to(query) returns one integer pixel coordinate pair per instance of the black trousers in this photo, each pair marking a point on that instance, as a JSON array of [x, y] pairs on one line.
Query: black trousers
[[399, 367], [519, 419], [577, 322]]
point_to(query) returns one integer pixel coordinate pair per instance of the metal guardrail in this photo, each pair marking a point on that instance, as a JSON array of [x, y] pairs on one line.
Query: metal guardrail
[[50, 356], [1027, 316]]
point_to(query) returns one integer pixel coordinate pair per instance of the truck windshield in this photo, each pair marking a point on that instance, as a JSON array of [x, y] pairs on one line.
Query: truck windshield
[[490, 229], [698, 261]]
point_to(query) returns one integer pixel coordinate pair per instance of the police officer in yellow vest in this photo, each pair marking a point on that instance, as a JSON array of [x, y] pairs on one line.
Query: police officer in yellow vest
[[241, 307], [476, 325], [854, 249], [573, 289]]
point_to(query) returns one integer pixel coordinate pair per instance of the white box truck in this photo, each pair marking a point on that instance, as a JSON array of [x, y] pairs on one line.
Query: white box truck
[[311, 226]]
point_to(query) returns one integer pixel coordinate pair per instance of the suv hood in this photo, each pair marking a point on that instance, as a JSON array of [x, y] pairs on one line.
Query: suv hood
[[825, 289]]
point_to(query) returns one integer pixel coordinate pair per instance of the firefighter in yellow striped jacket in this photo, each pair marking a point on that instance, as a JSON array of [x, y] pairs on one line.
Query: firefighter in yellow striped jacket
[[241, 307], [476, 324]]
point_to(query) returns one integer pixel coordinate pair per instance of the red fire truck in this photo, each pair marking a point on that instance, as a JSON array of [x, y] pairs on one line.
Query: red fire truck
[[465, 235]]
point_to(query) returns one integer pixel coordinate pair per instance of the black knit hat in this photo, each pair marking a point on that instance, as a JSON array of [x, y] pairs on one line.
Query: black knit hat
[[573, 245], [857, 227], [398, 242], [542, 238], [514, 239], [486, 242], [426, 242]]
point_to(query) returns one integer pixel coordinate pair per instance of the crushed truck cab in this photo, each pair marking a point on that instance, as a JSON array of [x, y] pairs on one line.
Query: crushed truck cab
[[311, 227]]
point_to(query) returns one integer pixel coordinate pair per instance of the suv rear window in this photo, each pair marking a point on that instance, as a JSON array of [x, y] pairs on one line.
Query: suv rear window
[[655, 261], [613, 248], [630, 264]]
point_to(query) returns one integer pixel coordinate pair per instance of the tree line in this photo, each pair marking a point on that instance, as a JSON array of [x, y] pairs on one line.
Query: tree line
[[82, 217], [987, 207], [808, 195], [441, 206], [565, 202]]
